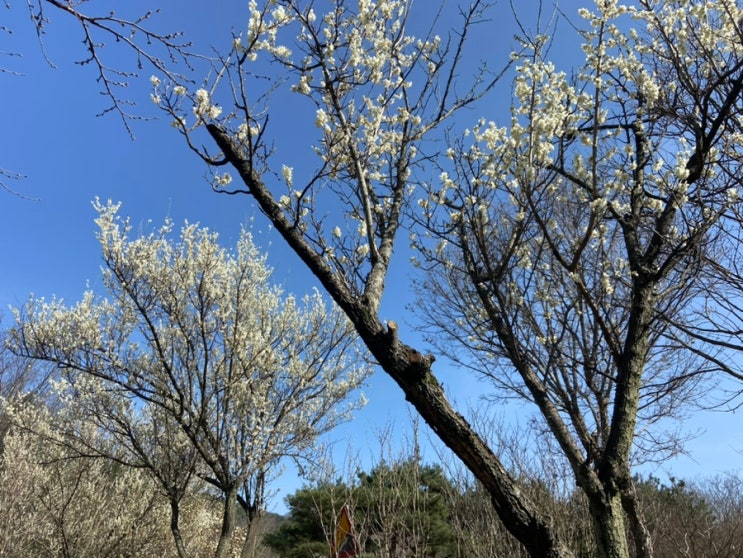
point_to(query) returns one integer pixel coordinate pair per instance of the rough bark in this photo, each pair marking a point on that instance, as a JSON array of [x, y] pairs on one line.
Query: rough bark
[[610, 502], [175, 528], [412, 372], [640, 533], [228, 523], [607, 514]]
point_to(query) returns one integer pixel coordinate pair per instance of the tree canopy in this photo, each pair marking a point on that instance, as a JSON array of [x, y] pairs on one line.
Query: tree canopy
[[195, 363]]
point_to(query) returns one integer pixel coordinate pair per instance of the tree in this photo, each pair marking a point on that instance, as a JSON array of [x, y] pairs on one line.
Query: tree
[[694, 520], [20, 383], [403, 506], [195, 352], [592, 232], [56, 499], [378, 96], [55, 503], [308, 529], [399, 509], [577, 237], [576, 233]]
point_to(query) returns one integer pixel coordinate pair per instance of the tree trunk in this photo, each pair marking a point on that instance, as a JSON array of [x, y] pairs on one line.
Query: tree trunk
[[249, 544], [614, 508], [228, 523], [640, 533], [175, 527], [412, 372], [607, 514], [410, 369]]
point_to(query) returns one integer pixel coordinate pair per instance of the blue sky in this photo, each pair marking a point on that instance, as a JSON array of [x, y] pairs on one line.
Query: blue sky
[[51, 134]]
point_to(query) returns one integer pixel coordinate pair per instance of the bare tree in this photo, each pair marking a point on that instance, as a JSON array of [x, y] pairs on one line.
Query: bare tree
[[196, 337]]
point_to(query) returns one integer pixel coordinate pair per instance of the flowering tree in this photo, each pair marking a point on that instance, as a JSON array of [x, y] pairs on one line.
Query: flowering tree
[[574, 242], [55, 504], [377, 96], [582, 254], [569, 244], [195, 352], [57, 498], [20, 383]]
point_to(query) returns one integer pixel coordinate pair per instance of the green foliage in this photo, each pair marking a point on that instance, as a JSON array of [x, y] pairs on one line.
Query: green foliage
[[405, 511], [399, 509], [676, 497], [307, 527]]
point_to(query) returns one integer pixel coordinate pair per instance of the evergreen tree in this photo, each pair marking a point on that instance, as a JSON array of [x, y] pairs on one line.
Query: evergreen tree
[[400, 509], [306, 531]]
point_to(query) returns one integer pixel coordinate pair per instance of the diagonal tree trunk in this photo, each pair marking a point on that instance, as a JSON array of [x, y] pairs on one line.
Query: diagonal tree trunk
[[410, 369]]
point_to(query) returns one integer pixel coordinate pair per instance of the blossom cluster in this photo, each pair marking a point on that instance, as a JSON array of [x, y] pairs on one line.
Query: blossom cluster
[[189, 328], [593, 164]]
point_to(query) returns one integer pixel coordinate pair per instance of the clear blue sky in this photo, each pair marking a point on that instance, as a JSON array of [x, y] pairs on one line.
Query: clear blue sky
[[51, 134]]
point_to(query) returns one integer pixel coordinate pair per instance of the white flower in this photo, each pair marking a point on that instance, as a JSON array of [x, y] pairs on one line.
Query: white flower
[[202, 96], [214, 111], [281, 52], [288, 174], [203, 107], [222, 179], [202, 102], [337, 232], [154, 80], [303, 86], [321, 118], [607, 284], [179, 90], [279, 14]]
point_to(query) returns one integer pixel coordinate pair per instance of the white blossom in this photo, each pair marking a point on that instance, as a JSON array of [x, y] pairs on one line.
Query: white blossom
[[203, 107], [222, 179], [288, 174], [244, 372]]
